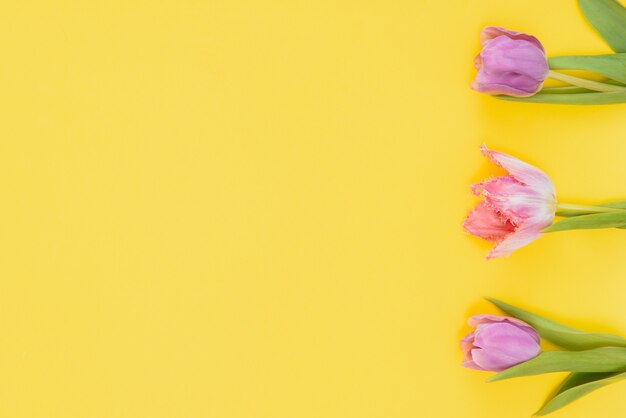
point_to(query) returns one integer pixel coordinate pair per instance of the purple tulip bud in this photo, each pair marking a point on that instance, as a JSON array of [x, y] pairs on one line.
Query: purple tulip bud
[[498, 342], [510, 63]]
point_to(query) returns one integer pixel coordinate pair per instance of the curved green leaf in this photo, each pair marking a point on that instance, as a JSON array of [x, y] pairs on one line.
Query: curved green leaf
[[561, 335], [575, 386], [603, 359], [614, 97], [615, 219], [608, 18], [611, 65], [617, 205]]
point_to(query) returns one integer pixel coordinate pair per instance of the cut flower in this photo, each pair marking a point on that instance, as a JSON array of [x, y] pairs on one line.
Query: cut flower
[[515, 208]]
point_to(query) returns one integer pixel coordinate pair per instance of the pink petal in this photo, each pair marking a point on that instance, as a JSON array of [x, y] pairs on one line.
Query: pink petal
[[496, 89], [509, 338], [490, 32], [522, 171], [502, 345], [467, 343], [478, 62], [487, 224], [516, 240], [471, 364], [516, 201], [493, 360], [476, 320]]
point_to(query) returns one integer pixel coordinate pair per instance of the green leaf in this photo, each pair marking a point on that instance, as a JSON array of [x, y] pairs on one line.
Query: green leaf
[[561, 335], [611, 65], [603, 359], [575, 386], [615, 219], [608, 18], [617, 205], [614, 97]]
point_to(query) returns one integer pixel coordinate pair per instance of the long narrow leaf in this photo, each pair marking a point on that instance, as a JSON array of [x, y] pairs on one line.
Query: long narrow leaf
[[571, 98], [575, 386], [608, 18], [561, 335], [611, 65], [615, 219], [603, 359], [617, 205]]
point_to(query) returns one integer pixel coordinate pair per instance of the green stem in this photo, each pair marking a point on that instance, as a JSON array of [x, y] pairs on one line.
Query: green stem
[[582, 82], [567, 207]]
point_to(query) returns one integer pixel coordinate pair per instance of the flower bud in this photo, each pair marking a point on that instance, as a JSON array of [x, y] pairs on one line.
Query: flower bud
[[498, 342], [510, 63]]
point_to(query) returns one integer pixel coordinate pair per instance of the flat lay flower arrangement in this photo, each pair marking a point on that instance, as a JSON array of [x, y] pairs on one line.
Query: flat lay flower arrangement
[[292, 209], [517, 208]]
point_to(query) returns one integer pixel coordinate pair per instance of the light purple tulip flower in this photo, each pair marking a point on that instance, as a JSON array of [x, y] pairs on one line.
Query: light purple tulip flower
[[498, 342], [511, 63]]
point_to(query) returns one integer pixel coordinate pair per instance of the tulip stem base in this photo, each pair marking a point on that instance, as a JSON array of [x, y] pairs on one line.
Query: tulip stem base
[[582, 82], [566, 207]]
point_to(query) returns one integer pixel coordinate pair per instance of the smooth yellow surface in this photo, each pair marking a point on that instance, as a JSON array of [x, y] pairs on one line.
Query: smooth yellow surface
[[249, 209]]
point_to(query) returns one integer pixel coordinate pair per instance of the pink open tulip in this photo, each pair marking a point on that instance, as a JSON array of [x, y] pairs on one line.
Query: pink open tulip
[[515, 208], [498, 342], [510, 63]]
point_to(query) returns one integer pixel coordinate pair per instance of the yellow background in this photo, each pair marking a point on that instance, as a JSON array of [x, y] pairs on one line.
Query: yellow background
[[248, 209]]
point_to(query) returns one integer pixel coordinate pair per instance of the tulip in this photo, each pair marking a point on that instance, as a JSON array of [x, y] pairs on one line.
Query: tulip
[[498, 342], [510, 63], [515, 208]]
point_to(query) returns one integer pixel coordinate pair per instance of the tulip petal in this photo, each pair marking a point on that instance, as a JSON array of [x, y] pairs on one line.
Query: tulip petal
[[502, 345], [476, 320], [493, 360], [498, 89], [509, 338], [514, 241], [516, 201], [467, 343], [487, 224], [490, 32], [471, 364], [522, 171]]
